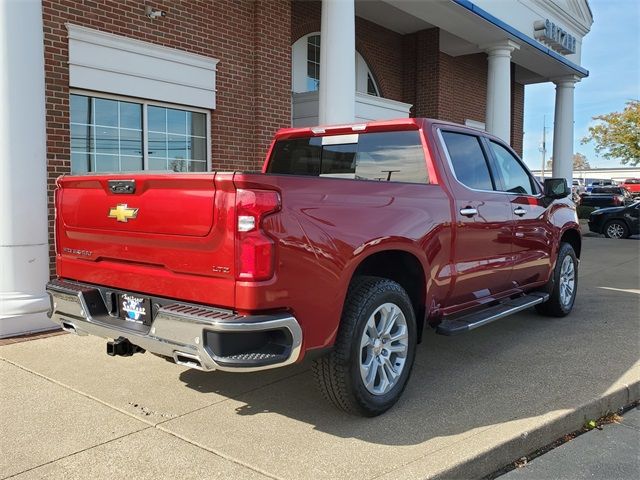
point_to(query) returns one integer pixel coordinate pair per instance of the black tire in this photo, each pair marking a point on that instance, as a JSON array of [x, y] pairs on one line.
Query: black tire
[[617, 226], [555, 307], [338, 372]]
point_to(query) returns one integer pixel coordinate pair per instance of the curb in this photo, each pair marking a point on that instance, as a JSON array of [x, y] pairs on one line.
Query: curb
[[529, 441]]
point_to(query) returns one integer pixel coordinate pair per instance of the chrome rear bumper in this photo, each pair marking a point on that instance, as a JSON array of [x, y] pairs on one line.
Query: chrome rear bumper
[[179, 331]]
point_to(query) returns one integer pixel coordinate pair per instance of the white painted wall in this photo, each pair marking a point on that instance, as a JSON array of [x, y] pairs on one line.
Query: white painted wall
[[110, 63], [367, 108]]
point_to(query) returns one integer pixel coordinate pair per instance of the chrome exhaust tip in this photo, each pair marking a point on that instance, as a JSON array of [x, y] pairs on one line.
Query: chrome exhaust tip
[[188, 360], [69, 327]]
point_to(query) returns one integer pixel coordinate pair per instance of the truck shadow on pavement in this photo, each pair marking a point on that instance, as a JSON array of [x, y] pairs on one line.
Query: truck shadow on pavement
[[517, 368]]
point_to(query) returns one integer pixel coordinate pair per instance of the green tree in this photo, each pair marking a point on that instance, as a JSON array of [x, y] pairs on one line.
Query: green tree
[[617, 134]]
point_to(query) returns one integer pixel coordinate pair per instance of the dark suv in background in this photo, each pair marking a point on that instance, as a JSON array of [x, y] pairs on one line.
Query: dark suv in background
[[606, 197]]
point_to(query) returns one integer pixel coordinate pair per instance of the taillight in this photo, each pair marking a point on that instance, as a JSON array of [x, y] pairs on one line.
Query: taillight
[[57, 204], [255, 251]]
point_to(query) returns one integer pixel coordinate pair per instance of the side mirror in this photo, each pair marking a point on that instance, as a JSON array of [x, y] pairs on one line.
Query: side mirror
[[556, 188]]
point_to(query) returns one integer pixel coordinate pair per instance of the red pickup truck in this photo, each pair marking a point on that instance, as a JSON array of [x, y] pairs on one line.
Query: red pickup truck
[[349, 242]]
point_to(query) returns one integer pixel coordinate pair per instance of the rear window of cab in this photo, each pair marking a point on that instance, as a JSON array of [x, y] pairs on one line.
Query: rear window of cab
[[378, 156]]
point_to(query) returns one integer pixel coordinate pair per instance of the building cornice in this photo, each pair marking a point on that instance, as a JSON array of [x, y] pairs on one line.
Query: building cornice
[[579, 19]]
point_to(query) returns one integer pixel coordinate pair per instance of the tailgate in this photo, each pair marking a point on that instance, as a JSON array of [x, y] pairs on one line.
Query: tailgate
[[167, 234], [155, 205]]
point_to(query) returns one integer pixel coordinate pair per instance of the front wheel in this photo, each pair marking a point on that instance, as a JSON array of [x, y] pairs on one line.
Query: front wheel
[[369, 366], [565, 284], [616, 229]]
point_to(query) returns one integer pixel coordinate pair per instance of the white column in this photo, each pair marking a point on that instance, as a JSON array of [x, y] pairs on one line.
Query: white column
[[563, 128], [337, 96], [498, 119], [24, 252]]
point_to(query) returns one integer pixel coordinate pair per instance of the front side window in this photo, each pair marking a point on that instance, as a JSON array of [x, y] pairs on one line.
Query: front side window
[[515, 178], [467, 160], [108, 135], [383, 156]]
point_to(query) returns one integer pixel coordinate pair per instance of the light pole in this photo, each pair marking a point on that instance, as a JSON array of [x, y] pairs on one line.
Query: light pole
[[543, 145]]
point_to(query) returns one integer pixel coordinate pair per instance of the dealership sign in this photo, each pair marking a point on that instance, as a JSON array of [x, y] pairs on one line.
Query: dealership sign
[[560, 40]]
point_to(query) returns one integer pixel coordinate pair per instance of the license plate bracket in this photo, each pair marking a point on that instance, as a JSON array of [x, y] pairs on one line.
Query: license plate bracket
[[134, 308]]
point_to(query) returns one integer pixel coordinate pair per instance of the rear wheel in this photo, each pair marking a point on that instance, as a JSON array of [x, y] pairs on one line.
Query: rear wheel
[[565, 284], [616, 229], [368, 368]]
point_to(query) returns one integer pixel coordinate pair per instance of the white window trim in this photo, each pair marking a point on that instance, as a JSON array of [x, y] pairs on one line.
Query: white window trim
[[105, 62], [475, 124], [145, 131]]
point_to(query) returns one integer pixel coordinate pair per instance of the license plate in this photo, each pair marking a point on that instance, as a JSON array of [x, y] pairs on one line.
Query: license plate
[[134, 308]]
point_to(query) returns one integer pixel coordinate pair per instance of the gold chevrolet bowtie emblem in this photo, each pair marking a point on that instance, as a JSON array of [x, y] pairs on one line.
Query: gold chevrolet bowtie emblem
[[122, 213]]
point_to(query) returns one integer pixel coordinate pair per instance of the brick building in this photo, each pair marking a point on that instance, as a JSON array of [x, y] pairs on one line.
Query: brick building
[[196, 85]]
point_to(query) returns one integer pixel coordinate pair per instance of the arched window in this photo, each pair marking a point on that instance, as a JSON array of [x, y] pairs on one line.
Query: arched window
[[306, 67]]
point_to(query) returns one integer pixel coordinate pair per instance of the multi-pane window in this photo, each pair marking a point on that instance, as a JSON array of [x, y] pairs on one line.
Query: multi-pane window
[[313, 63], [109, 135], [306, 67], [106, 135], [177, 140]]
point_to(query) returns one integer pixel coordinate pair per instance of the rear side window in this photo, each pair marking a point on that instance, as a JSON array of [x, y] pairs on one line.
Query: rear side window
[[468, 160], [381, 156]]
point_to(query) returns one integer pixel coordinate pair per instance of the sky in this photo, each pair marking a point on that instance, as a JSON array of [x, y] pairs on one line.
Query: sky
[[611, 53]]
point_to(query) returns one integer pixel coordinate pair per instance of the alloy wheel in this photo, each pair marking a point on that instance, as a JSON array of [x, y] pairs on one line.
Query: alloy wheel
[[567, 281], [615, 230], [383, 348]]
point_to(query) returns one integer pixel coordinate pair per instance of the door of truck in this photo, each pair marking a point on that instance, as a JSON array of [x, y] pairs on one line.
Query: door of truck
[[532, 229], [483, 221]]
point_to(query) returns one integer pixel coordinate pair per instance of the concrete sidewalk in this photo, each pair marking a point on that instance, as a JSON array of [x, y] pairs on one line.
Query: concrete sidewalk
[[612, 453], [474, 403]]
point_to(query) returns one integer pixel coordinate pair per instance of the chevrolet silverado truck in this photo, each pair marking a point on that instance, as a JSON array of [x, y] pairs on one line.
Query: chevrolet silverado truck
[[350, 242]]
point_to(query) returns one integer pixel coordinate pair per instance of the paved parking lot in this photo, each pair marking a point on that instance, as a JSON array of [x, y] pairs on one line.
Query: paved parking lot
[[474, 402]]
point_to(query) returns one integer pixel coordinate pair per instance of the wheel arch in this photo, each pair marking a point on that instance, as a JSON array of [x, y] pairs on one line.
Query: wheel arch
[[403, 267], [572, 237]]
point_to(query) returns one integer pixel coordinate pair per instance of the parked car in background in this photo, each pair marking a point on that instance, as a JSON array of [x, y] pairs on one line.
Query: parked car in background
[[616, 222], [577, 189], [606, 197], [600, 183], [633, 186]]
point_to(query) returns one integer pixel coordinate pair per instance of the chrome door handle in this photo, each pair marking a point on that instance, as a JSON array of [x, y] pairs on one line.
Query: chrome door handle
[[520, 211], [468, 212]]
